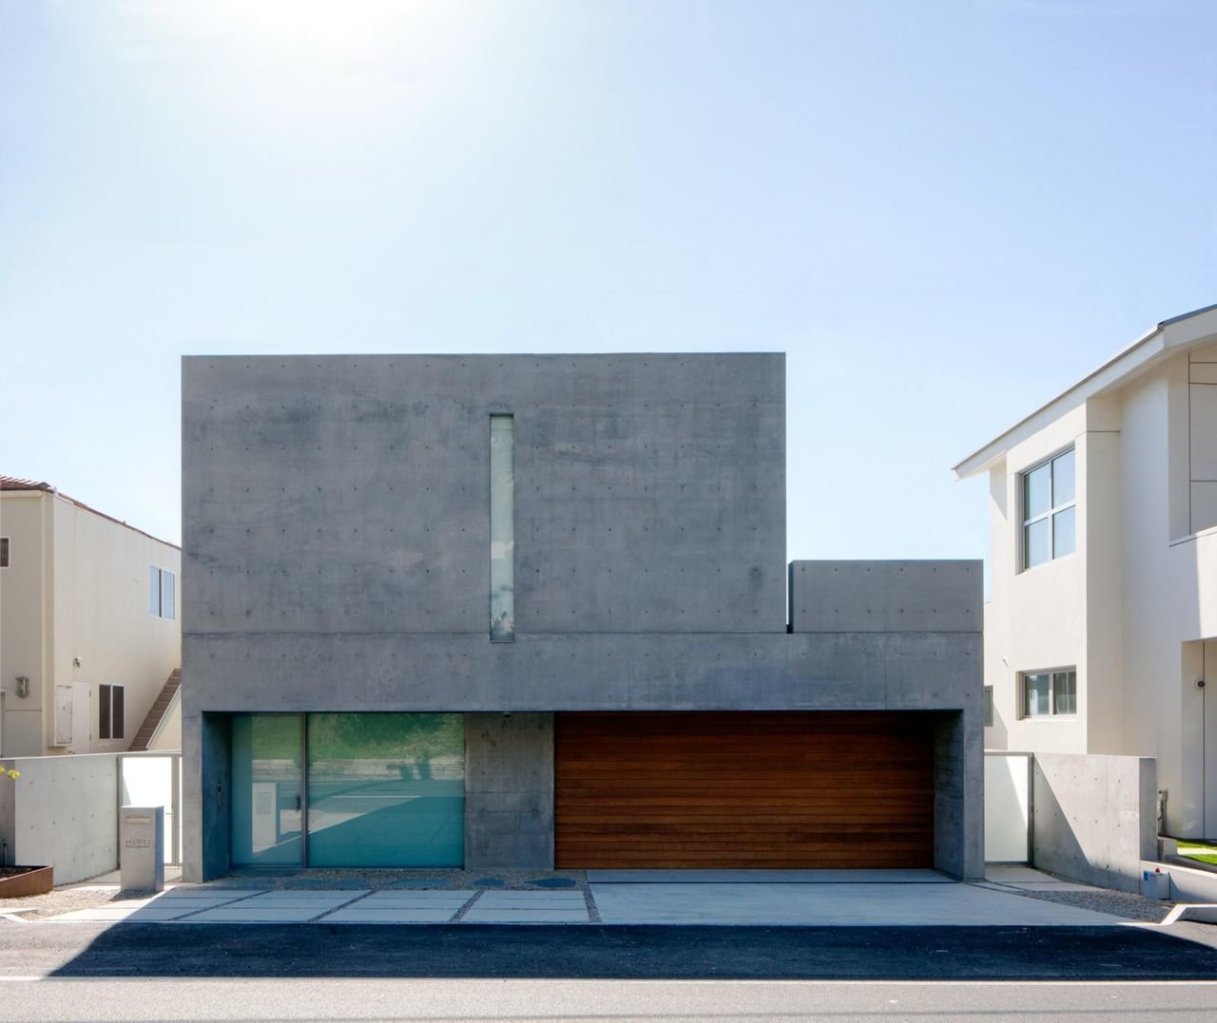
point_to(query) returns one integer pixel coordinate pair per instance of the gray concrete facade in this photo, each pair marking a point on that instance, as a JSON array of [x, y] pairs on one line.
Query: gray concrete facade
[[336, 558]]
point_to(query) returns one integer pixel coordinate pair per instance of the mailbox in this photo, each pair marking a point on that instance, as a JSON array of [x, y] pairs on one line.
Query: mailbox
[[142, 848]]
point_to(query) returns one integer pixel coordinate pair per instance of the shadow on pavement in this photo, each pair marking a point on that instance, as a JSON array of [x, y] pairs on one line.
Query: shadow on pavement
[[498, 951]]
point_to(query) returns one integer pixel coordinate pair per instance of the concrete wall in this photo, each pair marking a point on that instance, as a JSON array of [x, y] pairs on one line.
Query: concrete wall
[[1094, 817], [337, 558], [509, 791], [885, 596], [959, 794], [351, 494], [62, 811]]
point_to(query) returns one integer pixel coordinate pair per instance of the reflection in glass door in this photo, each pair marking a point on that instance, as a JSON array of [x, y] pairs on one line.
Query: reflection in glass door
[[386, 790], [348, 790], [267, 789]]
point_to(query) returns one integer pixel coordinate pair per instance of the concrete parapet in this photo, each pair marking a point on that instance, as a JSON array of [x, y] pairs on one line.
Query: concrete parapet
[[885, 596]]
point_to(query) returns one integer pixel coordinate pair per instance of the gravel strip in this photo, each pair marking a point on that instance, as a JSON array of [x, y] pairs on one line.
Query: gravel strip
[[59, 900], [1105, 900]]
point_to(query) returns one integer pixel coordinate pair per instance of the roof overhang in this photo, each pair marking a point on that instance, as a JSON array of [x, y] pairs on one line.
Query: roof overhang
[[1179, 333]]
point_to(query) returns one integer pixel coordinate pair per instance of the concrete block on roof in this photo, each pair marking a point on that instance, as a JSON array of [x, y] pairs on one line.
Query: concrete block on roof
[[886, 596]]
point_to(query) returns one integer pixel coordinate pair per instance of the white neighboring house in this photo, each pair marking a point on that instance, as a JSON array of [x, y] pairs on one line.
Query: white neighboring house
[[1101, 633], [90, 641]]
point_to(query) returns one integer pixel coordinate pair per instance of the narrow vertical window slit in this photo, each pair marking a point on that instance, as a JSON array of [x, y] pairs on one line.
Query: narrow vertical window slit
[[502, 528]]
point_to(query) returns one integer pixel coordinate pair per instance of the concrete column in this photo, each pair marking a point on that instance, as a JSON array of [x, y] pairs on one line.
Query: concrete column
[[959, 809], [509, 791], [207, 784]]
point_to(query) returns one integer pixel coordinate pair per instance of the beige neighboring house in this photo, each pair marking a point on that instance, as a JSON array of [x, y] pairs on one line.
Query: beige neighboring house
[[90, 640], [1101, 633]]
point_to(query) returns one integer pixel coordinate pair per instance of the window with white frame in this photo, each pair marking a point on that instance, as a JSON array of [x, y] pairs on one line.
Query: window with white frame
[[1049, 510], [162, 600], [988, 706], [109, 712], [1049, 693]]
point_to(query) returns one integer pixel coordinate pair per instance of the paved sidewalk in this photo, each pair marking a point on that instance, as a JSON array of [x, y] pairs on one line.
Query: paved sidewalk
[[832, 898]]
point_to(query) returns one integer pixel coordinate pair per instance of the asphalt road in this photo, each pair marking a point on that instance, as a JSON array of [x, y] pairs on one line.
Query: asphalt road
[[547, 1001], [608, 953], [523, 974]]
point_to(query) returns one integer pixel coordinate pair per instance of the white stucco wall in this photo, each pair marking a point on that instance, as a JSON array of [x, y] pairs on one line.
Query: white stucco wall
[[102, 617], [1133, 607], [24, 649], [1036, 618], [77, 591]]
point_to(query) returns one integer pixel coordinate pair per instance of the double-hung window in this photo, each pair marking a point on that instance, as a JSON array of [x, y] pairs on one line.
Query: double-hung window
[[162, 597], [1049, 510], [1047, 693], [109, 712]]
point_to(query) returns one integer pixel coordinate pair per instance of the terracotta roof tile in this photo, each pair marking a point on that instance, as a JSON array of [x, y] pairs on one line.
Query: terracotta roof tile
[[16, 483]]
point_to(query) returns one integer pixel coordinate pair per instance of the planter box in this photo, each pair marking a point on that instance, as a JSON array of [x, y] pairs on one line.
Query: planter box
[[18, 882]]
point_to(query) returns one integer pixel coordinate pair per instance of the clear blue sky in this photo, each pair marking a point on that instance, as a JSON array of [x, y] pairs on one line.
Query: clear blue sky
[[944, 212]]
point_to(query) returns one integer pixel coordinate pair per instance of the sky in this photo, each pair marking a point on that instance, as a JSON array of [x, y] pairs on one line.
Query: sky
[[945, 212]]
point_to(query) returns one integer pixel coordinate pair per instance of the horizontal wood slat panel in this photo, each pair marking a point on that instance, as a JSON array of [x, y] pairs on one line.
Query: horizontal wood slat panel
[[761, 790]]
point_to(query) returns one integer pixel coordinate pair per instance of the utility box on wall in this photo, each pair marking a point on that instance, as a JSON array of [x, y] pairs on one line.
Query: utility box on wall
[[142, 848]]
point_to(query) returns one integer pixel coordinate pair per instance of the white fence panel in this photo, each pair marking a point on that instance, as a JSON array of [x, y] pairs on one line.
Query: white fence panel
[[1007, 807]]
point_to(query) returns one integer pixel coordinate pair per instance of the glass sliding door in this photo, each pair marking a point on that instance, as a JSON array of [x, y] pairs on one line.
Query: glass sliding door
[[267, 789], [386, 790]]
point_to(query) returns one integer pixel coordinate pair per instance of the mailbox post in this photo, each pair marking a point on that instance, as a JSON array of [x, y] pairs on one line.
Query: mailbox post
[[142, 852]]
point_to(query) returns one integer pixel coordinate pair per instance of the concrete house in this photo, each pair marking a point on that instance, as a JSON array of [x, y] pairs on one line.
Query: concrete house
[[90, 641], [534, 611], [1101, 633]]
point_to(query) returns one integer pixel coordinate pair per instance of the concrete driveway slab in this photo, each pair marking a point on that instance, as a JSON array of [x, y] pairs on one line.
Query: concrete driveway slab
[[451, 899], [387, 915], [912, 876], [840, 905], [515, 907], [217, 893], [526, 916], [241, 914]]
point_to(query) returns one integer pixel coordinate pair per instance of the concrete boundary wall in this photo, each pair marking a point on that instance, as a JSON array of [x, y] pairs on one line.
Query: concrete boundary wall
[[62, 811], [1094, 818]]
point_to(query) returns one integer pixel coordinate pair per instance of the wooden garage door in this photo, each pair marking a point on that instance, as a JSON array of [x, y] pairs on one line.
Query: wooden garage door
[[743, 790]]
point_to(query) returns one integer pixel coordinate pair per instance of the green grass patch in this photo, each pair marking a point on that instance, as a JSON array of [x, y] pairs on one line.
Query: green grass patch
[[1200, 851]]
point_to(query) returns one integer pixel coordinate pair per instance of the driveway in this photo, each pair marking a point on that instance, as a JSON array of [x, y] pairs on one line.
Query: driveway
[[807, 898]]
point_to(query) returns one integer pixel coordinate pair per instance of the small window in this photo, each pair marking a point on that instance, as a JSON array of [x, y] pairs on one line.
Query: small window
[[1049, 510], [3, 552], [1049, 693], [988, 704], [502, 528], [109, 712], [162, 600]]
